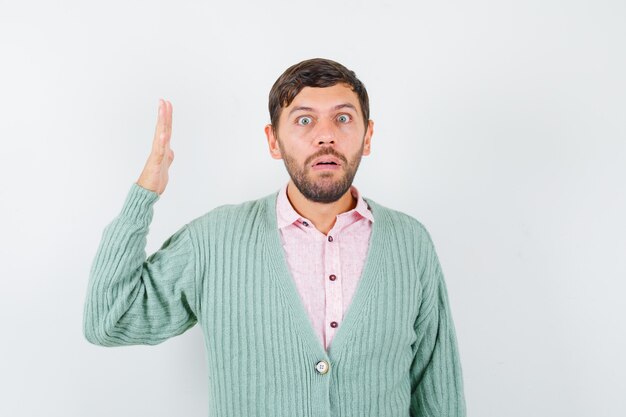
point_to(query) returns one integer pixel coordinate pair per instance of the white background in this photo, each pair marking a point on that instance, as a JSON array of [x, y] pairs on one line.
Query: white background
[[500, 125]]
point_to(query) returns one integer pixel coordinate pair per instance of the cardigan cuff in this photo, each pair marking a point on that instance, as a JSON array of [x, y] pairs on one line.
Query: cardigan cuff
[[138, 204]]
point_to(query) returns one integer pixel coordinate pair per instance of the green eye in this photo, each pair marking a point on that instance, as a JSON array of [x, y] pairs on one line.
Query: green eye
[[344, 118], [304, 120]]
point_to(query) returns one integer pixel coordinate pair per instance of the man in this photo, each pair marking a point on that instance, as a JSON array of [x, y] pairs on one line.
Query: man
[[313, 301]]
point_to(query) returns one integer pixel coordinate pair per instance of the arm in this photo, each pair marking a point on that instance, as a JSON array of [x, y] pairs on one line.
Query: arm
[[132, 299], [436, 377]]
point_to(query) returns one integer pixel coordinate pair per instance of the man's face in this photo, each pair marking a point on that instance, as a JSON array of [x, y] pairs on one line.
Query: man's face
[[321, 125]]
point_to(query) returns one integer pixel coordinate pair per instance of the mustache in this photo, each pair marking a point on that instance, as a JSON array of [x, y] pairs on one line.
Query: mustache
[[331, 152]]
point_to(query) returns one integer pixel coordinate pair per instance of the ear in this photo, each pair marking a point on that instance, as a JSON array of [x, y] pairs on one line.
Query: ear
[[367, 140], [272, 142]]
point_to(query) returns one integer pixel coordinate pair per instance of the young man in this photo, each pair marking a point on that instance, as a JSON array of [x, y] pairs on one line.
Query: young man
[[313, 301]]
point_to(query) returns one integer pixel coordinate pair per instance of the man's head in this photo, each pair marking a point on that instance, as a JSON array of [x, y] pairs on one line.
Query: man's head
[[318, 108], [316, 72]]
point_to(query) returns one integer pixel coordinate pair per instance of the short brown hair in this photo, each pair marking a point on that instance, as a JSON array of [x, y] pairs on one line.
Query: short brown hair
[[316, 72]]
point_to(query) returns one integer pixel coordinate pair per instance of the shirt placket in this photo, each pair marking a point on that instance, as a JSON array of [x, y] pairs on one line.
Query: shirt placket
[[332, 284]]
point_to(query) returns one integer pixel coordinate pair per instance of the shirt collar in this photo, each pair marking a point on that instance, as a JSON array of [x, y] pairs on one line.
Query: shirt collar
[[286, 214]]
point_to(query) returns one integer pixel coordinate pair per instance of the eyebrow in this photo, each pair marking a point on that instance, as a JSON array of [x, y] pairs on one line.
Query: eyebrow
[[337, 107]]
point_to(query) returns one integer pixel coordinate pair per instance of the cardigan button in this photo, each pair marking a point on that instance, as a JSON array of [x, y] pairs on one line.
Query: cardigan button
[[322, 367], [332, 277]]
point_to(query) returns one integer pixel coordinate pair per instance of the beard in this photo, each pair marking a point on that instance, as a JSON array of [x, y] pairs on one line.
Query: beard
[[324, 188]]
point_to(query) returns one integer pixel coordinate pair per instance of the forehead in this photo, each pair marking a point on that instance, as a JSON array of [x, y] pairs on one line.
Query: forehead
[[325, 98]]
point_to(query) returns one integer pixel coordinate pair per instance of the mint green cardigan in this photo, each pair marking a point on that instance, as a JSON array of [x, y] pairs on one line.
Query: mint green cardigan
[[394, 355]]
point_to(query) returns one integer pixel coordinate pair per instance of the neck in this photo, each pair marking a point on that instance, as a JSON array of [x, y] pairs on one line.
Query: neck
[[322, 215]]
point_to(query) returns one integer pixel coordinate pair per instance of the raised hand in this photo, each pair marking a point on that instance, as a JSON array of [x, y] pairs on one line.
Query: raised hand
[[154, 176]]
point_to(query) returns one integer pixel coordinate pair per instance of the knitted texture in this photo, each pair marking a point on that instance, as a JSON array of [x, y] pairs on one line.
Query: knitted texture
[[394, 355]]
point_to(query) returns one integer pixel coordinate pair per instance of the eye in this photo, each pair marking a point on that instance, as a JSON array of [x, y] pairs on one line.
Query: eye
[[344, 118], [304, 120]]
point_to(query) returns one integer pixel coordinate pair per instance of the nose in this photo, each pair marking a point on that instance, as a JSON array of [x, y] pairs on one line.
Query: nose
[[325, 132]]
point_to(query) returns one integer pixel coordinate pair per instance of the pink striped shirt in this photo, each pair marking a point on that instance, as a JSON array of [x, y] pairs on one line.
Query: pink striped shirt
[[326, 273]]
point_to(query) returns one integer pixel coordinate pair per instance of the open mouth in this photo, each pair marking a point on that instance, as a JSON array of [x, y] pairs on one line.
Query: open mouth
[[326, 166], [326, 161]]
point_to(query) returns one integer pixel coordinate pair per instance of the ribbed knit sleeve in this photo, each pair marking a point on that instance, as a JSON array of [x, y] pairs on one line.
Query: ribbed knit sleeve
[[132, 299], [436, 376]]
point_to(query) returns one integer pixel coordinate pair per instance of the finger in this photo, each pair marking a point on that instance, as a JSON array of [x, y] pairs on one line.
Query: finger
[[159, 126], [170, 110], [161, 150], [167, 127]]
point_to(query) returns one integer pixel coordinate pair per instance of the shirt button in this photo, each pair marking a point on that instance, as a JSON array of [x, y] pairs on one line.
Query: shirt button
[[332, 277], [333, 324], [305, 223], [322, 367], [330, 238]]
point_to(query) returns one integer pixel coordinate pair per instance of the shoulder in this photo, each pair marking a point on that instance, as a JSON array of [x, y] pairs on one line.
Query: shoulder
[[233, 213], [409, 240], [399, 221]]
